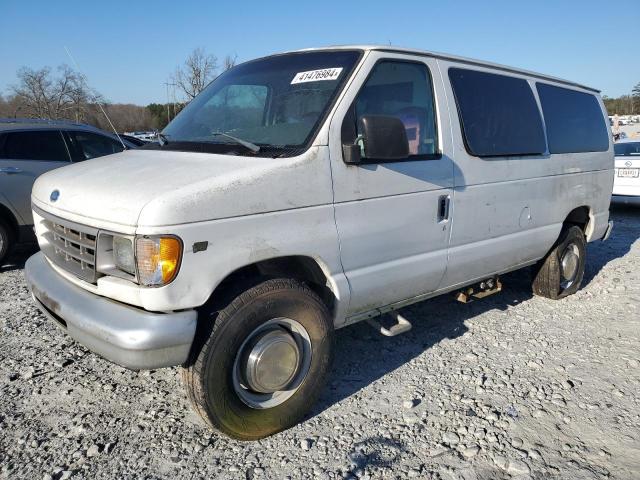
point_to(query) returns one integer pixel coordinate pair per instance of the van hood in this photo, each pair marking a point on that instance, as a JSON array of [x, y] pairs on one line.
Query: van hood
[[156, 188]]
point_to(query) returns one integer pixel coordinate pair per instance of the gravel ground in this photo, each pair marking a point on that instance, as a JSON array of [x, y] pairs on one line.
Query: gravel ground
[[512, 386]]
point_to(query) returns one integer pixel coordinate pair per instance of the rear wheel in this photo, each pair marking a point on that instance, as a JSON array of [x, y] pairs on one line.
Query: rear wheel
[[262, 361], [560, 273], [6, 241]]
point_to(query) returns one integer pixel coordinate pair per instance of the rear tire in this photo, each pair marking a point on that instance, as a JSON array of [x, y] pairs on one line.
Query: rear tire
[[561, 272], [214, 376], [6, 241]]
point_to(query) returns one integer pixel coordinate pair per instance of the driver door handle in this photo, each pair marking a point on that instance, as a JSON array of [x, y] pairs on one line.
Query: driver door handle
[[10, 170]]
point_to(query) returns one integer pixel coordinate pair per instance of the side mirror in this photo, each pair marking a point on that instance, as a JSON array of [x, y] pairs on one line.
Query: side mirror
[[385, 137]]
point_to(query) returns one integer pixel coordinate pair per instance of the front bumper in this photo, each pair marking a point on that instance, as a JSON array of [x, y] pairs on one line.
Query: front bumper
[[129, 336]]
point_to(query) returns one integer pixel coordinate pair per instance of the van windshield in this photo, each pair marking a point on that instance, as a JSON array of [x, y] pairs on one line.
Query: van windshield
[[276, 103]]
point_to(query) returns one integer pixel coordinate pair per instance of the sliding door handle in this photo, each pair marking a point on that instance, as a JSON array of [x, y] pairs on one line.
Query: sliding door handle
[[443, 208]]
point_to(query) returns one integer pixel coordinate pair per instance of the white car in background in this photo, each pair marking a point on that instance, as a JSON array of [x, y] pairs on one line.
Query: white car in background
[[144, 136], [626, 185]]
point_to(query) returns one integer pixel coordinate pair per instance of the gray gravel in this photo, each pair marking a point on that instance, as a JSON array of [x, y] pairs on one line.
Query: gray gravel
[[512, 386]]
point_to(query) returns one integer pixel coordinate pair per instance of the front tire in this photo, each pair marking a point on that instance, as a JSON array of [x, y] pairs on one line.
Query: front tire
[[560, 273], [262, 361], [6, 241]]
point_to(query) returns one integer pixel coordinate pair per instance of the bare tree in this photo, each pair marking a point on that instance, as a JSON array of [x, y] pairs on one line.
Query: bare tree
[[43, 96], [34, 91], [198, 70], [230, 61]]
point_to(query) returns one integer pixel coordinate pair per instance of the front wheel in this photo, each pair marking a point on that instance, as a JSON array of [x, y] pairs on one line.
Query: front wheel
[[560, 273], [263, 361], [6, 241]]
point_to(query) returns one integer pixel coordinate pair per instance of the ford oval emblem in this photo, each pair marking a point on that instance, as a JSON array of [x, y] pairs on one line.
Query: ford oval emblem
[[54, 195]]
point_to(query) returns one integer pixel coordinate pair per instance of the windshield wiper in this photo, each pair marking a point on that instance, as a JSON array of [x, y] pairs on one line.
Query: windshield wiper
[[251, 146]]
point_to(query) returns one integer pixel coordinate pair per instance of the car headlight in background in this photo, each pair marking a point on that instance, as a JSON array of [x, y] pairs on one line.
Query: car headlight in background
[[158, 259]]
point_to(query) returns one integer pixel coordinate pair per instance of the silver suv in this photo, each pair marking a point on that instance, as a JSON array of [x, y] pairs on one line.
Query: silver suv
[[29, 148]]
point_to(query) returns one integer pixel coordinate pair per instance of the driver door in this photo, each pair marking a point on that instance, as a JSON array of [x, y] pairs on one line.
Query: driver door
[[393, 216]]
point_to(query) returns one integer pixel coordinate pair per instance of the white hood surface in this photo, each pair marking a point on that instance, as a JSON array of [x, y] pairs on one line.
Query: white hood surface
[[157, 188]]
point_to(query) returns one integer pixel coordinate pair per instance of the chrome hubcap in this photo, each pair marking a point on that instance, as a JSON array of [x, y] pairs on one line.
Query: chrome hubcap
[[272, 363], [569, 264]]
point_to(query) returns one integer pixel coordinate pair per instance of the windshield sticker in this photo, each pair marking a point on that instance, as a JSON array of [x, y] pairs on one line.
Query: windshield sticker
[[317, 75]]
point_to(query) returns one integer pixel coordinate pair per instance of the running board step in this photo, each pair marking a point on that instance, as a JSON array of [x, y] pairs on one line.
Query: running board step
[[480, 290], [402, 325]]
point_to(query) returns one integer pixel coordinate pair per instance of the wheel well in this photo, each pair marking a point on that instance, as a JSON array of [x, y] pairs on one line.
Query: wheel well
[[10, 220], [302, 268], [579, 216]]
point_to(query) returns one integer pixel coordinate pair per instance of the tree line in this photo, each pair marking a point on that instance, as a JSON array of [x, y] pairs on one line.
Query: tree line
[[65, 94], [625, 104]]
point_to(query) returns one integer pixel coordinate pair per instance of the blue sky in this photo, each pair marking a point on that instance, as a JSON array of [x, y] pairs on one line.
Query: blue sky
[[129, 49]]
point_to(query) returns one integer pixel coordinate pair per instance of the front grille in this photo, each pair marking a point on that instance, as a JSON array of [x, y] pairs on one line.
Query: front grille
[[70, 246]]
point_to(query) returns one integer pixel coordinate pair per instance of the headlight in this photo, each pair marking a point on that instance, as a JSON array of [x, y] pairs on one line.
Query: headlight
[[115, 255], [148, 260], [123, 256], [158, 259]]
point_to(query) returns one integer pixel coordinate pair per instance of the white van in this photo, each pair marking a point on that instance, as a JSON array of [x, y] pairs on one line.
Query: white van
[[302, 192]]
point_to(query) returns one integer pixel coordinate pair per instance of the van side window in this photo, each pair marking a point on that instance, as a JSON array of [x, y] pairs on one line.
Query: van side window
[[498, 114], [574, 120], [46, 145], [403, 90]]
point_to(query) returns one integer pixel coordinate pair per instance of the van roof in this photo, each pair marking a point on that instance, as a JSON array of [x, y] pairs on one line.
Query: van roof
[[446, 56]]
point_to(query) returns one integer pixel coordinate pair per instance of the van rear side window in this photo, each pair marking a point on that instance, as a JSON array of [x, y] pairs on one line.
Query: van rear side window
[[498, 114], [574, 120]]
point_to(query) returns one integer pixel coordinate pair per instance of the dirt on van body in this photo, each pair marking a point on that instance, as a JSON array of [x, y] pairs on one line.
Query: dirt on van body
[[512, 386]]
